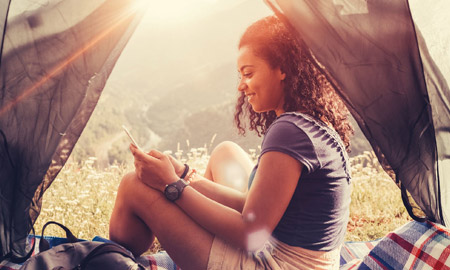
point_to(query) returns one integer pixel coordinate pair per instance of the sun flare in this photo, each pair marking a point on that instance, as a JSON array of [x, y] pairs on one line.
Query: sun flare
[[176, 11]]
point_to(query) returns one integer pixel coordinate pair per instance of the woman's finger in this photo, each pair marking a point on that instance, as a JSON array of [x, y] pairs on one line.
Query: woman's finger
[[139, 155], [133, 149], [156, 154]]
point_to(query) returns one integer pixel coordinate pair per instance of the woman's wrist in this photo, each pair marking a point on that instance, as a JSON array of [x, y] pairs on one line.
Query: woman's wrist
[[170, 180], [186, 173], [182, 171], [178, 166], [190, 176]]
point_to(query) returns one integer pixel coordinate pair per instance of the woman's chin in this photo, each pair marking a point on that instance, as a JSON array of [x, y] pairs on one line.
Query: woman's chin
[[256, 109], [259, 110]]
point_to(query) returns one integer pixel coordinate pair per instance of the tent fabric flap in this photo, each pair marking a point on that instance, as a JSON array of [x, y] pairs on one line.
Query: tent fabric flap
[[4, 8], [56, 59], [396, 93]]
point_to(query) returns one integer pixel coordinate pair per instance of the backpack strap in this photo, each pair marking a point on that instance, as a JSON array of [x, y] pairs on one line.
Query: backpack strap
[[43, 243], [103, 249]]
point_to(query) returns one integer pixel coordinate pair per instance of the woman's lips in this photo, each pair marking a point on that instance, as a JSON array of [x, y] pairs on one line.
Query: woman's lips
[[250, 96]]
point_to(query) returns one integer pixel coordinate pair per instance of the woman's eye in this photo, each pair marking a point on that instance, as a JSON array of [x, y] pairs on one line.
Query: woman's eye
[[245, 75]]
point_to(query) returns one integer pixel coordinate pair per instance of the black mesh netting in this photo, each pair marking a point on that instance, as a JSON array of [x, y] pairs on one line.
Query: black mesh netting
[[379, 62], [56, 58]]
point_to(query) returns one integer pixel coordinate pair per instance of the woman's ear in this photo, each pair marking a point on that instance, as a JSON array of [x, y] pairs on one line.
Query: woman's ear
[[282, 75]]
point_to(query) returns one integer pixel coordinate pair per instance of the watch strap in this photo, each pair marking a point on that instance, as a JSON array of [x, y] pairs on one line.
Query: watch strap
[[185, 172], [181, 184], [173, 191]]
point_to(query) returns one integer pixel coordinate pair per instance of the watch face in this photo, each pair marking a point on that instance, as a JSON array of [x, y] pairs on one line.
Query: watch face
[[171, 192]]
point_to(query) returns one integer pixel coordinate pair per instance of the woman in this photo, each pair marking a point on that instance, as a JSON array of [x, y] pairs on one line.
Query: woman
[[294, 214]]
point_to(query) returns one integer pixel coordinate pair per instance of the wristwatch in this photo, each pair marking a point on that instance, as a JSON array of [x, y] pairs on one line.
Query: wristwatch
[[173, 191]]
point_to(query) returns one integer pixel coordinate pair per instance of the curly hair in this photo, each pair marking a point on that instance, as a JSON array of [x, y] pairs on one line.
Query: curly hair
[[305, 88]]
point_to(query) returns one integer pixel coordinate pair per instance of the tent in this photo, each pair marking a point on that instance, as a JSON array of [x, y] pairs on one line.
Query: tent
[[52, 74], [377, 56], [55, 59]]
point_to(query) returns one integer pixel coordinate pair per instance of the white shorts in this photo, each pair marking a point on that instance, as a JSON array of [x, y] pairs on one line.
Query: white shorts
[[275, 255]]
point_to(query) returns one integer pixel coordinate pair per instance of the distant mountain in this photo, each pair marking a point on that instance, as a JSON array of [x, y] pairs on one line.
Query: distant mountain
[[160, 56], [173, 83]]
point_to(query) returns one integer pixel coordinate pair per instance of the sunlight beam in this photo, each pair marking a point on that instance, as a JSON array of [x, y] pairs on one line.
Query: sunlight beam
[[59, 68]]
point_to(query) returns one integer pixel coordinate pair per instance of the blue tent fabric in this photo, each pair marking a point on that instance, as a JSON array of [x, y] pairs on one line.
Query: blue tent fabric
[[56, 59], [375, 56]]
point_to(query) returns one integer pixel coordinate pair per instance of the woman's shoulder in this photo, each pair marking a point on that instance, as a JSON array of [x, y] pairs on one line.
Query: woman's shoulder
[[302, 121], [289, 134], [307, 139], [318, 132], [294, 126]]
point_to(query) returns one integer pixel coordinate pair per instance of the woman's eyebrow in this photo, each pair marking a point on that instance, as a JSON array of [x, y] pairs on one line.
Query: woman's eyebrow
[[244, 66]]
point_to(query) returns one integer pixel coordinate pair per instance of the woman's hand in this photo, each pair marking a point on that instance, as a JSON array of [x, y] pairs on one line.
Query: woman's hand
[[177, 165], [154, 168]]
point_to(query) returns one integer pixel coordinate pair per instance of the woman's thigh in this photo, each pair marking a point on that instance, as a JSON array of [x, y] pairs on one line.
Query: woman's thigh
[[229, 165], [187, 243]]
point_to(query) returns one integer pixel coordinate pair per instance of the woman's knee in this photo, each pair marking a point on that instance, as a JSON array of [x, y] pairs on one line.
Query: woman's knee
[[125, 186], [229, 165], [132, 192], [230, 152], [227, 148], [128, 180]]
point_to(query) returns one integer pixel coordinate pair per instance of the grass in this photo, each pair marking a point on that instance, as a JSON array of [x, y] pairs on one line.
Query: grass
[[376, 206], [82, 198]]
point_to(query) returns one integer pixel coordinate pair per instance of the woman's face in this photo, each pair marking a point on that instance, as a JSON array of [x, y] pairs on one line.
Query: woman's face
[[262, 85]]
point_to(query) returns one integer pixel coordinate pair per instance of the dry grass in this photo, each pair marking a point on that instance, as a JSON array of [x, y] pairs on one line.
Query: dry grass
[[376, 206], [82, 198]]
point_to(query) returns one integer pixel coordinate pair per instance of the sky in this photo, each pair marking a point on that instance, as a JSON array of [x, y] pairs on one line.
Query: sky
[[159, 11], [176, 39], [181, 11], [176, 14], [435, 31]]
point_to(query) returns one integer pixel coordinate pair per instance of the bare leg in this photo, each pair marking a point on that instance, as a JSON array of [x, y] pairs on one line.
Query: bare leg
[[139, 208], [229, 165], [125, 220]]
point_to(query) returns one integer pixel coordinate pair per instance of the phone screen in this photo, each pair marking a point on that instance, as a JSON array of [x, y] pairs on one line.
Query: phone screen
[[133, 141]]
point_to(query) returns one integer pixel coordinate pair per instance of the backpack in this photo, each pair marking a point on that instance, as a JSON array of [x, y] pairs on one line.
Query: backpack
[[78, 254]]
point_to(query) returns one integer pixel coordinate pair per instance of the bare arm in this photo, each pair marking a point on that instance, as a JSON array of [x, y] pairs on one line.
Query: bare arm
[[267, 200], [219, 193]]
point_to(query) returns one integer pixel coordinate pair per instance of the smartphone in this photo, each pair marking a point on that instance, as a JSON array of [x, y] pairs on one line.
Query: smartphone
[[133, 141]]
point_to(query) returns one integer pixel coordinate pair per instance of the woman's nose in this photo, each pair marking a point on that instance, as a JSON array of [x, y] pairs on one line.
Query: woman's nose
[[242, 85]]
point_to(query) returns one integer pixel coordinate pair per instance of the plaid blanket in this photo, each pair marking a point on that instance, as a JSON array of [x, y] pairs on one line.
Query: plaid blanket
[[352, 253], [412, 246], [158, 261]]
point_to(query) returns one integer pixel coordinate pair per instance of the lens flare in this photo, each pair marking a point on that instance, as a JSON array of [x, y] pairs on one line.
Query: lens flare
[[235, 176], [124, 19], [256, 240]]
